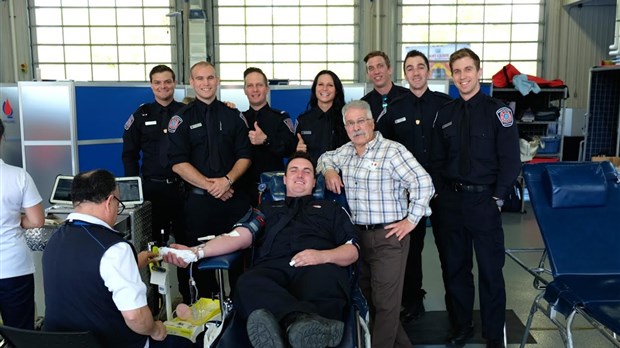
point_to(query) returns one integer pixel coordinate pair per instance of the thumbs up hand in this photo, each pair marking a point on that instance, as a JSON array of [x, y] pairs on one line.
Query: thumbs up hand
[[301, 146], [257, 136]]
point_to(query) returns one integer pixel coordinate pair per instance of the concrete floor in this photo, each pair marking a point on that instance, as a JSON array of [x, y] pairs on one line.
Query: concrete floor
[[521, 231]]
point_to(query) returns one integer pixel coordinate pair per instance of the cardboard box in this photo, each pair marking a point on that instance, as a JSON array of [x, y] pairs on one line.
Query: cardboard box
[[614, 160]]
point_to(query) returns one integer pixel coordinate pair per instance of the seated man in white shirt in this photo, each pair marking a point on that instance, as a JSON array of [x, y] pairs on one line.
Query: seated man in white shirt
[[90, 272]]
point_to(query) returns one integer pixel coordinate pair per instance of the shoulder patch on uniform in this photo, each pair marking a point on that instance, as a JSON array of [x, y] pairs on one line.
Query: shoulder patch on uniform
[[174, 123], [242, 117], [289, 124], [504, 114], [129, 122]]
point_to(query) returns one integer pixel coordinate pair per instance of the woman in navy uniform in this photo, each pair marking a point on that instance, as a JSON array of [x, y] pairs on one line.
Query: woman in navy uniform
[[475, 160], [321, 128]]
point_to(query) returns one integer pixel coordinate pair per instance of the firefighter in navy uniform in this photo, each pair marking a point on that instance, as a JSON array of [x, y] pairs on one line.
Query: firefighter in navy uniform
[[210, 151], [379, 71], [475, 160], [146, 132], [408, 119], [271, 132]]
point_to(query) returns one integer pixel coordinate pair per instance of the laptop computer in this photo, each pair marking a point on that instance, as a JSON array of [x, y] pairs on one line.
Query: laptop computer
[[130, 188]]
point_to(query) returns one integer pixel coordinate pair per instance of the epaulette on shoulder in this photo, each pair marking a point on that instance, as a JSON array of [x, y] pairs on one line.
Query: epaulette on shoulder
[[442, 95], [280, 112], [398, 99], [495, 102], [142, 110], [448, 104]]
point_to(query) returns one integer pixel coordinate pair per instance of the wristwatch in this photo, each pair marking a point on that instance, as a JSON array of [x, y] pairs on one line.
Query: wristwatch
[[499, 202]]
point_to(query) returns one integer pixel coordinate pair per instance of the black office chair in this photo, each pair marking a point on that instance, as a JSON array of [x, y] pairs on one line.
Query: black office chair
[[20, 338]]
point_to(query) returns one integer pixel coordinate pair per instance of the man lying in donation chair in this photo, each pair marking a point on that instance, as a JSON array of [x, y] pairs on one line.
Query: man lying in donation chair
[[297, 292], [577, 207]]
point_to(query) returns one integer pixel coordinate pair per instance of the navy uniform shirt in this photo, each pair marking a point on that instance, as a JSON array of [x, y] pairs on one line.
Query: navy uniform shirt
[[376, 102], [494, 145], [280, 142], [146, 131], [301, 223], [189, 138], [409, 121], [321, 131]]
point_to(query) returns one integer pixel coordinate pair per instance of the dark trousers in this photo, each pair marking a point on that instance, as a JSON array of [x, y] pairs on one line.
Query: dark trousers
[[17, 301], [473, 223], [206, 215], [282, 289], [167, 208]]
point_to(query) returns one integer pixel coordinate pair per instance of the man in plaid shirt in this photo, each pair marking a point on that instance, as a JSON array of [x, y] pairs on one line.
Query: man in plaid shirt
[[388, 192]]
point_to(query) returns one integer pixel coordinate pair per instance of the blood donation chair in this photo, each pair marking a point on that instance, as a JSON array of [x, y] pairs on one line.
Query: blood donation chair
[[577, 207], [234, 333]]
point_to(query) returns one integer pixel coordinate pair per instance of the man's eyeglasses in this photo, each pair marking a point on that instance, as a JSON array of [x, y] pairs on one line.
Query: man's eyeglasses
[[359, 122], [121, 205]]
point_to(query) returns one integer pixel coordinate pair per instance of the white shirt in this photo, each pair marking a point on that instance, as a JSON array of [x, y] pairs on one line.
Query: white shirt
[[119, 270], [17, 191]]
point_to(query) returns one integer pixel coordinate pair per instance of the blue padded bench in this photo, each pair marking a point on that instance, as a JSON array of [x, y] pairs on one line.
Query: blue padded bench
[[577, 206]]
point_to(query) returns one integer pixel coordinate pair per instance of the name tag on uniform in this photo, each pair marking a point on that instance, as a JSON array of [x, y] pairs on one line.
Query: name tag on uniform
[[150, 123], [446, 125], [400, 120], [196, 125], [371, 165], [307, 132]]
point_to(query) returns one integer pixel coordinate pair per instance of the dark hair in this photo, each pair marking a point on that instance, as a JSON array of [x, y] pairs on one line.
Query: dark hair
[[378, 54], [301, 154], [255, 70], [1, 128], [462, 53], [415, 53], [160, 69], [93, 186], [338, 102]]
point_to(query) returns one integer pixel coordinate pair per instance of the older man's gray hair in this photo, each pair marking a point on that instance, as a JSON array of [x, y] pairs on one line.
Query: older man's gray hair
[[356, 104]]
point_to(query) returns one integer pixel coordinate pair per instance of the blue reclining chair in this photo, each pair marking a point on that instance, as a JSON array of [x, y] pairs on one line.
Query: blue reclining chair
[[234, 335], [577, 206]]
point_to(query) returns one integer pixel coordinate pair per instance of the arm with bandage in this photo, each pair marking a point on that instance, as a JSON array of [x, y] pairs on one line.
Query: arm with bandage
[[240, 237]]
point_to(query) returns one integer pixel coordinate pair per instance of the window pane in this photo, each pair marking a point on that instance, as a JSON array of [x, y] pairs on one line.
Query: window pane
[[469, 33], [158, 54], [313, 34], [524, 51], [309, 70], [129, 16], [497, 32], [77, 54], [495, 13], [286, 35], [416, 14], [525, 32], [413, 33], [442, 33], [443, 14], [526, 13], [103, 36], [285, 15], [51, 54], [340, 53], [74, 3], [345, 72], [131, 54], [232, 53], [314, 15], [258, 35], [340, 15], [104, 54], [79, 72], [47, 35], [286, 53], [287, 71], [75, 16], [259, 53], [313, 53], [132, 72], [102, 16], [107, 72], [231, 15], [490, 68], [52, 71], [231, 69], [258, 15], [230, 34], [130, 36], [102, 3], [156, 16], [48, 16], [470, 14], [340, 34], [159, 35], [496, 51], [76, 35]]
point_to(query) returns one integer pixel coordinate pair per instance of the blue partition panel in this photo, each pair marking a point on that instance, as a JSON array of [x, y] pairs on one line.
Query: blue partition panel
[[485, 87], [106, 156], [102, 111], [293, 101]]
